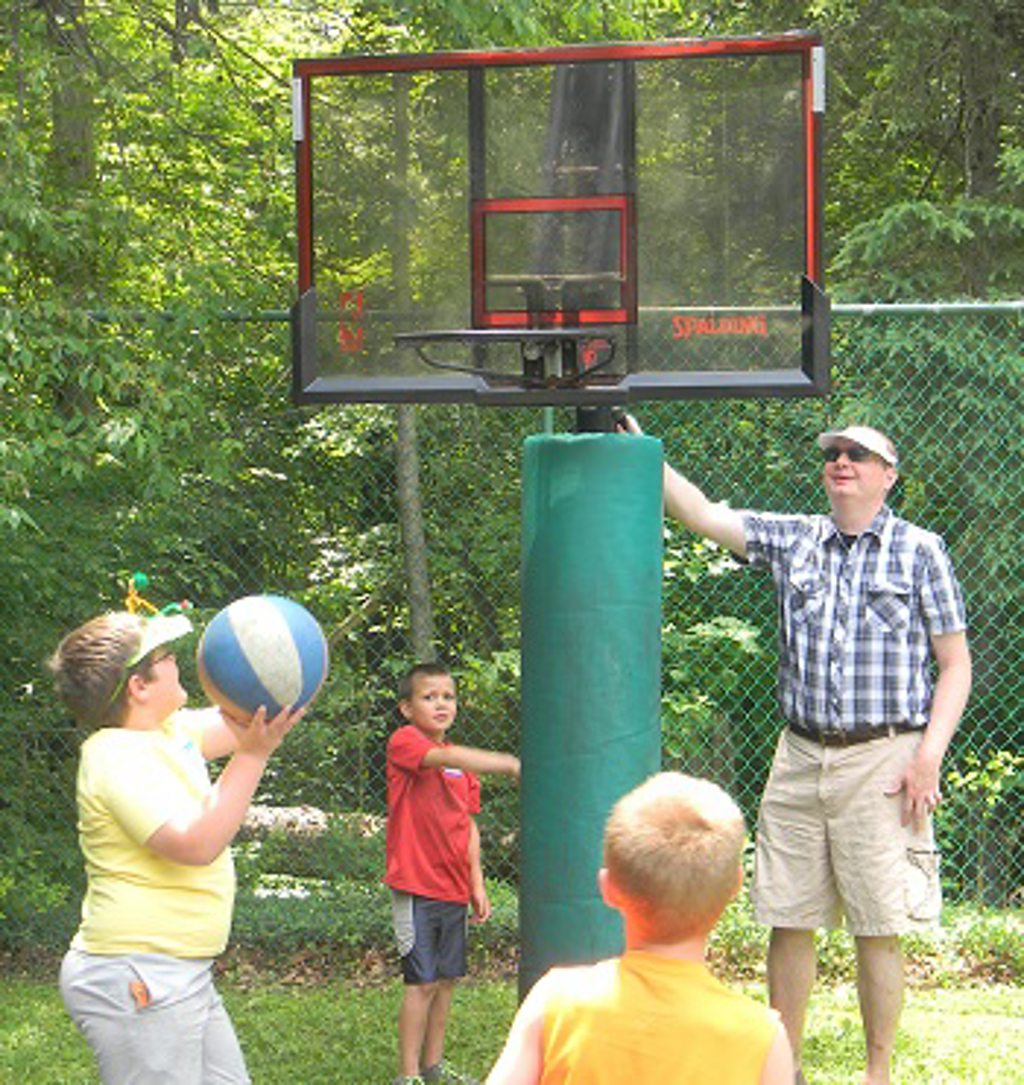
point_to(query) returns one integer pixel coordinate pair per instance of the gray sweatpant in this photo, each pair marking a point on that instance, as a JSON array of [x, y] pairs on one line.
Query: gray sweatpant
[[152, 1020]]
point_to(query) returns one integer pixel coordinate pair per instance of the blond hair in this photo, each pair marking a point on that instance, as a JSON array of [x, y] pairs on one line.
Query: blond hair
[[673, 848], [90, 664]]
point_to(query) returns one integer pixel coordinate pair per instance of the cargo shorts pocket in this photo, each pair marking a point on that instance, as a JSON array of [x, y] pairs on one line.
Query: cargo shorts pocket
[[924, 891]]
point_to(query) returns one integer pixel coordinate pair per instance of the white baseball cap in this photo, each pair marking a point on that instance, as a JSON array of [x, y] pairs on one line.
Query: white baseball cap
[[158, 630], [865, 436]]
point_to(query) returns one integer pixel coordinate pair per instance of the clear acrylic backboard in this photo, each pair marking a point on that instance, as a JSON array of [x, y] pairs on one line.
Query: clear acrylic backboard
[[580, 225]]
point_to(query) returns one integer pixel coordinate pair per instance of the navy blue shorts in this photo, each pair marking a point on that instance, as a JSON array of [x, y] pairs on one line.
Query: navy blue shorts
[[431, 936]]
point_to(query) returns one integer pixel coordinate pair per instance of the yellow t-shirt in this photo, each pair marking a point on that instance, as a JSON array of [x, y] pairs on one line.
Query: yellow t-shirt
[[129, 784], [643, 1019]]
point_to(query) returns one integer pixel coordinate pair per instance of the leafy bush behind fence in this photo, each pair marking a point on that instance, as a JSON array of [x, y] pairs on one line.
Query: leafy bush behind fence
[[256, 495]]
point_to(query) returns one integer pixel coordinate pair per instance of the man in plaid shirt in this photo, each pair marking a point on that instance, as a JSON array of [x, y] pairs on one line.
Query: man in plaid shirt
[[867, 602]]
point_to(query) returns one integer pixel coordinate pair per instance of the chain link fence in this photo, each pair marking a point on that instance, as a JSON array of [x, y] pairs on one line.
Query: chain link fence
[[266, 497]]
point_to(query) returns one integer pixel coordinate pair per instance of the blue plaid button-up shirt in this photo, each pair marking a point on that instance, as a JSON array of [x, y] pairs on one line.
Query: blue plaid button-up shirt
[[855, 616]]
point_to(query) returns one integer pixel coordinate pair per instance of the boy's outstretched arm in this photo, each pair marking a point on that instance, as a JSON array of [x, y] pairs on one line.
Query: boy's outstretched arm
[[471, 759], [522, 1059]]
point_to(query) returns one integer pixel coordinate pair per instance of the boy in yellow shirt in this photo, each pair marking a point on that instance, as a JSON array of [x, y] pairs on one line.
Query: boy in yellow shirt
[[154, 832], [655, 1015]]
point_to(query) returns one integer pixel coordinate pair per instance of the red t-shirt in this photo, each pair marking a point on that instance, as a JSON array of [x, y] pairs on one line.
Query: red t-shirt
[[429, 811]]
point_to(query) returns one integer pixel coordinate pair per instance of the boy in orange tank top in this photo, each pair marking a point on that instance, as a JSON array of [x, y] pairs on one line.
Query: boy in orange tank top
[[672, 855]]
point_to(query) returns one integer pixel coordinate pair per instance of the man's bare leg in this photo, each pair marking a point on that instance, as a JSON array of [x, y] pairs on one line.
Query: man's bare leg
[[880, 991], [792, 966]]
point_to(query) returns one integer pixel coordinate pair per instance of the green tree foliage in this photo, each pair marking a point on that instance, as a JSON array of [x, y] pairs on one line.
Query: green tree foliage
[[925, 122]]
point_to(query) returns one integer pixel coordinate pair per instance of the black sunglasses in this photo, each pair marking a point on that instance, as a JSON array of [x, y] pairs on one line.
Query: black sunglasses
[[855, 454]]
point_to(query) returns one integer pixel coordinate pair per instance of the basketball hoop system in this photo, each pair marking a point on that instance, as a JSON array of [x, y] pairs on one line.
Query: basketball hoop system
[[578, 225]]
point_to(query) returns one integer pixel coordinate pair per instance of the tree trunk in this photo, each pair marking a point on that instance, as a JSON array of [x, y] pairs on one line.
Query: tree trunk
[[73, 147], [410, 508], [73, 154], [18, 62], [414, 542], [186, 12], [982, 75]]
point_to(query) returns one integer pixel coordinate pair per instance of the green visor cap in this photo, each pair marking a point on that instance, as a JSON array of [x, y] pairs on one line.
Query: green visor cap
[[160, 629]]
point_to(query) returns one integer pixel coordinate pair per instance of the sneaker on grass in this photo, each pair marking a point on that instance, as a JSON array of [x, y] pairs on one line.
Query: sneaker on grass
[[443, 1073]]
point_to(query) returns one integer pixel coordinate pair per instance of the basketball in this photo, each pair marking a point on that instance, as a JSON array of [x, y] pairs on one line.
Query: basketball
[[262, 650]]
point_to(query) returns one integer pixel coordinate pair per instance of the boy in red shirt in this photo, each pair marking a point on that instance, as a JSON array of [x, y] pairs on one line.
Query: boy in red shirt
[[433, 863]]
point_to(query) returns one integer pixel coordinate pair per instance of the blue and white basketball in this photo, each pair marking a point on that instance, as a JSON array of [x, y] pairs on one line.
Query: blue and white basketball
[[262, 650]]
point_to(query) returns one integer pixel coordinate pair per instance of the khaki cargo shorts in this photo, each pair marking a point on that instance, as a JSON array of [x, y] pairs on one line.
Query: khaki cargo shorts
[[830, 843]]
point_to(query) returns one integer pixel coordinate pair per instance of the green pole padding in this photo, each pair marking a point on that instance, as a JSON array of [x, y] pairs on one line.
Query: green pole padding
[[591, 665]]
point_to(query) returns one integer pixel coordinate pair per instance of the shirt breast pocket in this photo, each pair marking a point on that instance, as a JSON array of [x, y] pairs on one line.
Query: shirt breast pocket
[[806, 594], [888, 607]]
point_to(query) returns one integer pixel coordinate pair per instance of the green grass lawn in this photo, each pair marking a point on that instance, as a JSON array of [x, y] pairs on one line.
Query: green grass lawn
[[343, 1034]]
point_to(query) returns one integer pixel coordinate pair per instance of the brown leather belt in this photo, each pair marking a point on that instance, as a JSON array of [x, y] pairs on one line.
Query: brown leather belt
[[853, 736]]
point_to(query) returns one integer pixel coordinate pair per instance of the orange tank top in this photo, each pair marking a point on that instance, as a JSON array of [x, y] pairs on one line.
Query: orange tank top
[[643, 1019]]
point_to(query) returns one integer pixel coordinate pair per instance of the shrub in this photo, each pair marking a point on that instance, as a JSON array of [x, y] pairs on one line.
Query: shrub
[[40, 886], [283, 915], [350, 849], [991, 944]]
